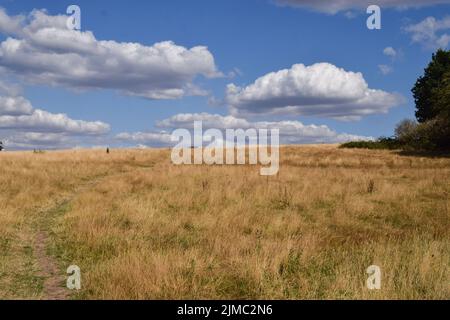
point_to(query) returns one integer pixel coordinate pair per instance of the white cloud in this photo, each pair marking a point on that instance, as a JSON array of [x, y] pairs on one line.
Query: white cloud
[[390, 52], [43, 121], [146, 138], [321, 89], [14, 105], [50, 141], [17, 113], [429, 32], [385, 69], [10, 24], [186, 120], [291, 132], [332, 7], [22, 126], [11, 103], [37, 140], [42, 49]]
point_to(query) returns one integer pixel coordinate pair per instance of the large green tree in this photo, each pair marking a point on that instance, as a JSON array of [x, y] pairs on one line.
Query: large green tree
[[429, 87], [441, 101], [441, 96]]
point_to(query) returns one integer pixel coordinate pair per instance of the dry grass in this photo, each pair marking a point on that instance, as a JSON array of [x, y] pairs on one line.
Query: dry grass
[[140, 227]]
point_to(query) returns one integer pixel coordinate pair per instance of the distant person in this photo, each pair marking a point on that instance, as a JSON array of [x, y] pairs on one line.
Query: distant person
[[107, 150], [1, 146]]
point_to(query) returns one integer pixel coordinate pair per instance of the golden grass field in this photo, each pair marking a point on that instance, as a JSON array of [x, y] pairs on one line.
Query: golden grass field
[[142, 228]]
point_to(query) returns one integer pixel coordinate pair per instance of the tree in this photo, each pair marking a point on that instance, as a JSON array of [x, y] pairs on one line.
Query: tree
[[405, 131], [424, 90], [441, 96], [441, 123]]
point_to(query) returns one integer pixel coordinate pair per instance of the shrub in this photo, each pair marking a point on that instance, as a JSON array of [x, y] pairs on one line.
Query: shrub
[[406, 131], [382, 143], [432, 135]]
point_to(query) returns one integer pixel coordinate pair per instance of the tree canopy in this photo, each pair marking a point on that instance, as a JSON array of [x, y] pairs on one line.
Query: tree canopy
[[431, 90]]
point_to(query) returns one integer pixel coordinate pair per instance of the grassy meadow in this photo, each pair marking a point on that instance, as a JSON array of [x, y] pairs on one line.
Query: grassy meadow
[[140, 227]]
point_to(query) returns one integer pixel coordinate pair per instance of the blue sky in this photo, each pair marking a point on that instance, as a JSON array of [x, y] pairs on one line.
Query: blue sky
[[247, 40]]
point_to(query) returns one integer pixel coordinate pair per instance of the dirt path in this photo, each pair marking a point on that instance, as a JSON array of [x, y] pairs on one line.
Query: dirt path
[[54, 284]]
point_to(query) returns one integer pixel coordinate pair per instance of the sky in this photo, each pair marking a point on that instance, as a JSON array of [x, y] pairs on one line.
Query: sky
[[137, 70]]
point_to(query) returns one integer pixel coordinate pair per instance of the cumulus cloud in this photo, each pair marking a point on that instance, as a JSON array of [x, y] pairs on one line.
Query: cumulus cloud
[[14, 106], [42, 49], [333, 7], [43, 121], [37, 140], [430, 32], [291, 132], [321, 89], [11, 103], [10, 24], [146, 138], [22, 126], [186, 120], [50, 141]]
